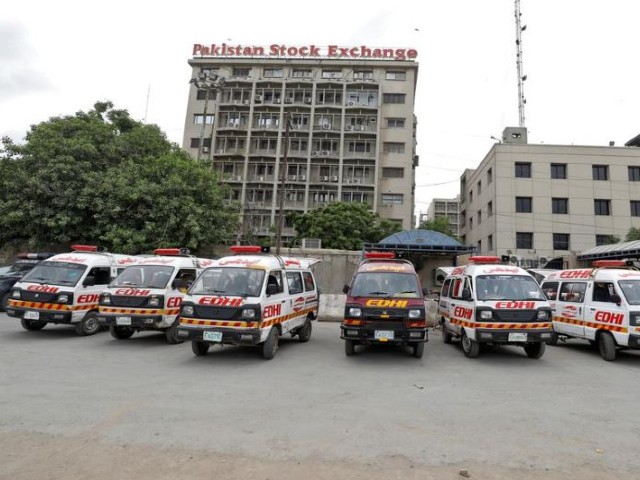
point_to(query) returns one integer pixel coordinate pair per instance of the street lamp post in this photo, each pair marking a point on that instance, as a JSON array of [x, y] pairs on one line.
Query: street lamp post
[[210, 83], [282, 185]]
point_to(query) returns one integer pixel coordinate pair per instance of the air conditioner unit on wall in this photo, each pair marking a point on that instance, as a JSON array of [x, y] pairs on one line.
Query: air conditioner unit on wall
[[326, 126], [351, 103], [205, 149], [288, 100], [302, 178], [311, 243], [258, 98], [349, 127], [325, 153]]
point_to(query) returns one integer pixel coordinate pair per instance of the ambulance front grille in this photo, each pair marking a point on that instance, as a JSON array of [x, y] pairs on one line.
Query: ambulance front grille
[[514, 315], [217, 313], [43, 297], [128, 301]]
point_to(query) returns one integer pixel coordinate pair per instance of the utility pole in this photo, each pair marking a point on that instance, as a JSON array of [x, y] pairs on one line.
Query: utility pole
[[282, 185], [209, 83], [521, 77]]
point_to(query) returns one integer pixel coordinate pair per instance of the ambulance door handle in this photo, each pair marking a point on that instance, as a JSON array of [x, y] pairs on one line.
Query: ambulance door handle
[[592, 309]]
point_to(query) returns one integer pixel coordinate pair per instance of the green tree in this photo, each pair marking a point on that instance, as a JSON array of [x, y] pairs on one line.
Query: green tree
[[343, 225], [102, 177], [633, 234], [438, 224]]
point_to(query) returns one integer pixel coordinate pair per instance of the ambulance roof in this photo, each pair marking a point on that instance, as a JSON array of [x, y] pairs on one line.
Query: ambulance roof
[[489, 269], [178, 261], [266, 262], [610, 274], [94, 258]]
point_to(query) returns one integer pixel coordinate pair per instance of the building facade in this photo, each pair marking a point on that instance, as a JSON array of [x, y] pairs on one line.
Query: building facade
[[444, 207], [538, 203], [334, 129]]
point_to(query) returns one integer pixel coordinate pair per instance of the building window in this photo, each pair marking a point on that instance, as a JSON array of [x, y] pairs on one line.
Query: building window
[[479, 246], [393, 98], [635, 208], [395, 122], [523, 170], [490, 242], [602, 207], [392, 172], [199, 118], [301, 73], [479, 217], [490, 175], [523, 204], [395, 75], [470, 196], [560, 205], [600, 172], [363, 75], [392, 199], [206, 142], [524, 240], [272, 73], [634, 174], [393, 147], [241, 72], [604, 240], [559, 170], [470, 223], [336, 74], [479, 187], [561, 241], [489, 209], [202, 95]]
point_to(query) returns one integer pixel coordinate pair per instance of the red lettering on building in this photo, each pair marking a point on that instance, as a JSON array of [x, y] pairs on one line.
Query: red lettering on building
[[462, 312], [512, 304], [609, 317], [272, 311], [221, 301], [174, 302], [89, 298], [132, 292], [575, 274], [42, 288]]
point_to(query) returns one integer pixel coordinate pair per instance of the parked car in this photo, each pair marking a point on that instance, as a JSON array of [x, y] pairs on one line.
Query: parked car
[[10, 274]]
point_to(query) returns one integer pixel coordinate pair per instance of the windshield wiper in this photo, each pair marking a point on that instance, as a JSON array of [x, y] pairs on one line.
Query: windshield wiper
[[374, 293]]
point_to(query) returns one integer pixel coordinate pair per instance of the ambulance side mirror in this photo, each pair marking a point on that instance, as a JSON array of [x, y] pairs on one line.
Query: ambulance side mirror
[[615, 298], [345, 289], [466, 294]]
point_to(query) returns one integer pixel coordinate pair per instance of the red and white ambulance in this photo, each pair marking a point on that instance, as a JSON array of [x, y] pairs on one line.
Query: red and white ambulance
[[599, 304], [485, 302], [250, 298], [148, 295], [65, 289]]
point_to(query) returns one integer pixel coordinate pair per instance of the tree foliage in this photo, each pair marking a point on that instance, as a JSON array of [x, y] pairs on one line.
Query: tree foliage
[[438, 224], [633, 234], [343, 225], [102, 177]]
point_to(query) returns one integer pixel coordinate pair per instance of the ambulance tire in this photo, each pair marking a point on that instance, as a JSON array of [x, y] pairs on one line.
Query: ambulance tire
[[304, 333], [171, 334], [349, 348], [417, 349], [535, 350], [89, 325], [470, 348], [553, 341], [4, 302], [446, 336], [32, 325], [199, 348], [270, 345], [607, 346], [120, 332]]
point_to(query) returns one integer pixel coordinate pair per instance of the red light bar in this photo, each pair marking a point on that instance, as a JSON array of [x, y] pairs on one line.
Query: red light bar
[[84, 248], [609, 263], [167, 251], [379, 255], [246, 248], [484, 259]]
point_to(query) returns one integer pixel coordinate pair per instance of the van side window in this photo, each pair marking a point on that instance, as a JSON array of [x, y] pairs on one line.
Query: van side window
[[445, 288], [275, 278], [309, 284], [550, 290], [573, 292], [186, 277], [101, 274], [294, 282], [602, 292], [459, 284]]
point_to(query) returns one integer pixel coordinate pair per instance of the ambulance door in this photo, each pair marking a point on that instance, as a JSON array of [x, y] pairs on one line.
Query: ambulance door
[[461, 308], [602, 310], [89, 290], [570, 309], [295, 301], [274, 307], [444, 300]]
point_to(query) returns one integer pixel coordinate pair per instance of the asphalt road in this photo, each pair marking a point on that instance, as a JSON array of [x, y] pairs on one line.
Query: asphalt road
[[94, 407]]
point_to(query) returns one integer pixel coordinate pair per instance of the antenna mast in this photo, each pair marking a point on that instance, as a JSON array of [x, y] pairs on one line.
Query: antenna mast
[[521, 77]]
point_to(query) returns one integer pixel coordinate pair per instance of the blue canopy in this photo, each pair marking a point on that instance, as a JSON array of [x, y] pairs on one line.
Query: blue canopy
[[420, 241]]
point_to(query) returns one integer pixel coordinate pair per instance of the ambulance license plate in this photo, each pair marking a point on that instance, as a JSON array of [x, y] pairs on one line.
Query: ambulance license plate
[[212, 336], [123, 320], [517, 337], [30, 315], [383, 335]]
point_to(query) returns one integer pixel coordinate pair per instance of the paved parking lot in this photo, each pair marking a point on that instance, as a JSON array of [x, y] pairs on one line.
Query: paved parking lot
[[94, 407]]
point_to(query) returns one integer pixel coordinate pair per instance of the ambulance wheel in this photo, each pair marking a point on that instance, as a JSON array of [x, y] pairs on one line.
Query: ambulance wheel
[[171, 334], [470, 348], [417, 349], [32, 325], [349, 348], [553, 341], [120, 332], [304, 333], [607, 346], [535, 350], [4, 302], [199, 348], [270, 346], [446, 336], [88, 325]]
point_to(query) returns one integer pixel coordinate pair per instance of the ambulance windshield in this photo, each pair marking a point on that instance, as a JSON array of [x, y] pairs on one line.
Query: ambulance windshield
[[55, 273], [631, 291], [144, 276], [241, 282], [508, 287], [385, 284]]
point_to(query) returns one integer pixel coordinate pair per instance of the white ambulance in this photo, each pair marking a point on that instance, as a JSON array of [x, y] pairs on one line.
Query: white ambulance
[[488, 303], [148, 295], [250, 299], [599, 304], [65, 289]]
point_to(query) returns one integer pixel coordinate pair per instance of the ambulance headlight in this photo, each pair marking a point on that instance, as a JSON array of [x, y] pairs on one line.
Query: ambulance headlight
[[415, 313], [15, 294], [543, 315], [155, 301], [634, 319], [63, 298], [355, 312], [105, 299], [187, 310], [248, 313], [486, 314]]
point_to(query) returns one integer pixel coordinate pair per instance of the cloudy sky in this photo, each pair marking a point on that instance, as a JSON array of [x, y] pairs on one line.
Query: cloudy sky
[[60, 57]]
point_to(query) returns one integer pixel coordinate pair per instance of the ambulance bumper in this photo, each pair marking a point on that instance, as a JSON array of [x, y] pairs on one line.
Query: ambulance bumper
[[506, 336], [138, 322], [43, 315], [371, 335], [229, 336]]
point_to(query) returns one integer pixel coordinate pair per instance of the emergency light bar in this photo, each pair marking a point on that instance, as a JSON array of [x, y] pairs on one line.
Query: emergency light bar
[[478, 259], [379, 255], [84, 248], [246, 249], [35, 256], [610, 263], [171, 251]]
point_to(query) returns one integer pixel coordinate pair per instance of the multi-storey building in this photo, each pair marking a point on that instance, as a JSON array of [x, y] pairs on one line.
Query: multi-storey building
[[537, 203], [336, 129], [444, 207]]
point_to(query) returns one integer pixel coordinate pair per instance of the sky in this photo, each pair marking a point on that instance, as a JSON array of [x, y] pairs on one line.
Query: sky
[[579, 56]]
